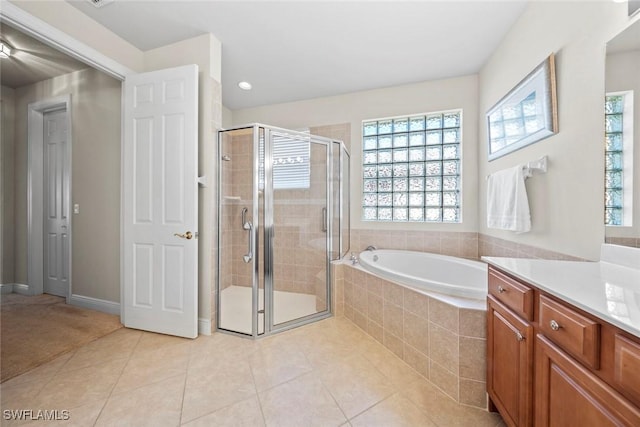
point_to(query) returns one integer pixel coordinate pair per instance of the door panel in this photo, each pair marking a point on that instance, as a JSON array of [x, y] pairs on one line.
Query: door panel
[[160, 249], [56, 223], [238, 222], [300, 224]]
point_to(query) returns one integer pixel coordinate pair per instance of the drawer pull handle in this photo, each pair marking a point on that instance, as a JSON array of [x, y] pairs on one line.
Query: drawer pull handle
[[554, 325], [519, 336], [501, 289]]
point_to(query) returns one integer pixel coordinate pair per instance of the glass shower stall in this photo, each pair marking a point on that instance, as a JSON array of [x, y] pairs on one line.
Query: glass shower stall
[[283, 217]]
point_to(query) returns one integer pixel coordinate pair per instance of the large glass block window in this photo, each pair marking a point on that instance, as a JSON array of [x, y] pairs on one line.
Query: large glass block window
[[411, 168], [618, 158]]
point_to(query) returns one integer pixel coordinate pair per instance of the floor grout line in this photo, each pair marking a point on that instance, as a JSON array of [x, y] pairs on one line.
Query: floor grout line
[[118, 379]]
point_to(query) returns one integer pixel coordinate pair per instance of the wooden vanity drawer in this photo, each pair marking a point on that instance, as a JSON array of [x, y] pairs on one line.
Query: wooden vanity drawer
[[511, 293], [626, 372], [570, 330]]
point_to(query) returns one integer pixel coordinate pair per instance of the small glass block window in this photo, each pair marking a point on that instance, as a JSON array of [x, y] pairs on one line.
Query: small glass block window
[[413, 164], [618, 113]]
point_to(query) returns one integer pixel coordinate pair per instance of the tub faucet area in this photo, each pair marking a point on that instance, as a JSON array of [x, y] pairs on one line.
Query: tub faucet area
[[353, 259], [371, 248]]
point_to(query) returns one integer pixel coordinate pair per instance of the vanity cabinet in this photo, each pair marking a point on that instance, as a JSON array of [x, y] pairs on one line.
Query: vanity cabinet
[[568, 394], [510, 359], [552, 364], [510, 348]]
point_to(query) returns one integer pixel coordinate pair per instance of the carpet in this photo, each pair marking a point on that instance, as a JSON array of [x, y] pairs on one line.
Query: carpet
[[37, 329]]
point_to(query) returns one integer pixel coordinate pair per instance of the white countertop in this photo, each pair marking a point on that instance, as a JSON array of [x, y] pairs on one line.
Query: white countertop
[[606, 290]]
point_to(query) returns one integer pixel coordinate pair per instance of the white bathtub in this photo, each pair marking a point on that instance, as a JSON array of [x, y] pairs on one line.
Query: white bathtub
[[428, 273]]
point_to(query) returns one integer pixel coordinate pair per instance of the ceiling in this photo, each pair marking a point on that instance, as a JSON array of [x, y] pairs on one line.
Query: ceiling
[[32, 61], [293, 50]]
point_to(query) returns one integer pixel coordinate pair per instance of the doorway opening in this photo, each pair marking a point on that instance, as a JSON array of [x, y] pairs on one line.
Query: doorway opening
[[49, 197]]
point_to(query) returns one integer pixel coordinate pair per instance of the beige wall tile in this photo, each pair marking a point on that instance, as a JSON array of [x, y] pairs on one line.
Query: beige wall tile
[[375, 285], [473, 393], [360, 319], [443, 348], [444, 380], [360, 299], [416, 303], [393, 343], [375, 308], [417, 360], [473, 323], [473, 357], [376, 331], [393, 293], [416, 332], [393, 319], [444, 315]]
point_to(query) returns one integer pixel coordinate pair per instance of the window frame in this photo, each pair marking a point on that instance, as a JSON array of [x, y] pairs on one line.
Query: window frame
[[627, 158]]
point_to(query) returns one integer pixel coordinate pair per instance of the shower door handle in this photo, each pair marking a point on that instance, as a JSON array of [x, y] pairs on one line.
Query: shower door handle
[[245, 224], [248, 257], [324, 219]]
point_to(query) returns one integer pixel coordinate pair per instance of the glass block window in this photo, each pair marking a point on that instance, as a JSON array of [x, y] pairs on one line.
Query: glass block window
[[618, 158], [411, 168]]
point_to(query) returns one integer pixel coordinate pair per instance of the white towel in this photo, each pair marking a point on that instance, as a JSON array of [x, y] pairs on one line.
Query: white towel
[[507, 204]]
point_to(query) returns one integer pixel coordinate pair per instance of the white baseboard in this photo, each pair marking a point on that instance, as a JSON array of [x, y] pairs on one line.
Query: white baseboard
[[21, 288], [204, 326], [105, 306], [6, 288]]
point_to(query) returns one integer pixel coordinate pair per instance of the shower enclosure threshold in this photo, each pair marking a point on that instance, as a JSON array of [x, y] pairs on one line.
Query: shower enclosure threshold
[[236, 307]]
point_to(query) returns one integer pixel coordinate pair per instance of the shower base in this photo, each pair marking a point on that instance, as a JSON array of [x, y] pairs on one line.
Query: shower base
[[235, 303]]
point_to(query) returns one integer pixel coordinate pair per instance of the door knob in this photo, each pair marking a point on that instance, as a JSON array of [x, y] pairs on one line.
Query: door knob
[[188, 235]]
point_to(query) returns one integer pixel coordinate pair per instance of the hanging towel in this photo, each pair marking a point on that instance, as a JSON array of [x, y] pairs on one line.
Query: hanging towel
[[507, 204]]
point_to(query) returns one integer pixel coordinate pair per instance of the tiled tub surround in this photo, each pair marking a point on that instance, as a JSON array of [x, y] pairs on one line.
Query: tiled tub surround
[[445, 343]]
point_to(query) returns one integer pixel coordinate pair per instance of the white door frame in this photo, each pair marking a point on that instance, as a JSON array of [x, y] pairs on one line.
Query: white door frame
[[35, 189], [46, 33]]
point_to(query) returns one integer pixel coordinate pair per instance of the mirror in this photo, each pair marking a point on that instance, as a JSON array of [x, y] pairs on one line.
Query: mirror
[[622, 138]]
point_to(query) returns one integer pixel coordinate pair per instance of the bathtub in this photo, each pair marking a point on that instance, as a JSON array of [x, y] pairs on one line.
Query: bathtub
[[427, 273]]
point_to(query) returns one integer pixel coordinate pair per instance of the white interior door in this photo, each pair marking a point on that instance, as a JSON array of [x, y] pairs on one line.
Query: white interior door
[[160, 206], [56, 204]]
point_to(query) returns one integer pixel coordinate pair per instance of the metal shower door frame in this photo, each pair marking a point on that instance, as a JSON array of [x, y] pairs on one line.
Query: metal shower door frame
[[268, 232], [269, 287]]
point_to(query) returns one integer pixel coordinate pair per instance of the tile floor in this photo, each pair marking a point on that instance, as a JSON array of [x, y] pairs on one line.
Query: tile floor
[[326, 374]]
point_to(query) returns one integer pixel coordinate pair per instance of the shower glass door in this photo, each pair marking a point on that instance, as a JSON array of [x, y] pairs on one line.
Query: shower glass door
[[276, 226], [239, 243], [298, 227]]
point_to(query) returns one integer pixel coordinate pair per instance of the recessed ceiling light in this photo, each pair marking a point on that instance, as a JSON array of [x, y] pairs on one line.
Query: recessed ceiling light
[[5, 50], [245, 85]]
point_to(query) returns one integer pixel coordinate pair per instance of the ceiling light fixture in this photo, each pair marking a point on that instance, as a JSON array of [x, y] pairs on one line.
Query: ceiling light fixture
[[245, 85], [5, 50]]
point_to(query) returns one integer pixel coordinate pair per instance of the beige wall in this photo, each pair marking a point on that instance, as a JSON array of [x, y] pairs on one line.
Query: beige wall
[[95, 184], [7, 178], [461, 92], [566, 203], [623, 73], [203, 50]]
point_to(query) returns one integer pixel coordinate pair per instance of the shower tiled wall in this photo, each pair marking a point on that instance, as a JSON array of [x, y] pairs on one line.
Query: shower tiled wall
[[299, 248]]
